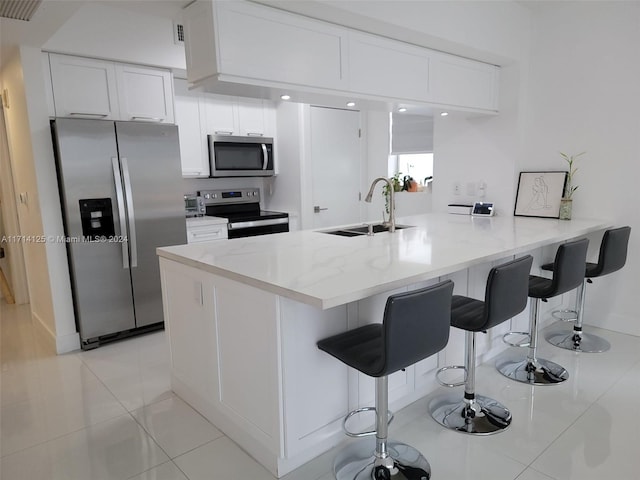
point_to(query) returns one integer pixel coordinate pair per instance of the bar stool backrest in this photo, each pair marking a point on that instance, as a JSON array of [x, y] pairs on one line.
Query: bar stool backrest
[[569, 267], [507, 291], [613, 252], [416, 325]]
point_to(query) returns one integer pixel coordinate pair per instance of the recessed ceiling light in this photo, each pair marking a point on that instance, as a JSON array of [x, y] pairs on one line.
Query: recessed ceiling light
[[351, 104], [402, 109], [444, 114], [285, 97]]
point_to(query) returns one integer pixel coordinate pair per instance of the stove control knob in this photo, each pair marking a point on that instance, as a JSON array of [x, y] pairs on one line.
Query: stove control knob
[[215, 195], [206, 195]]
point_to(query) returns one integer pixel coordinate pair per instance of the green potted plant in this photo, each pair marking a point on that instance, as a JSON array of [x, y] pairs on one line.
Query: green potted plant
[[397, 187], [566, 203]]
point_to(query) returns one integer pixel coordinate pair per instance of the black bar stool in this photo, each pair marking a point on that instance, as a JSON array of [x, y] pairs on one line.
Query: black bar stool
[[415, 326], [612, 257], [505, 297], [568, 272]]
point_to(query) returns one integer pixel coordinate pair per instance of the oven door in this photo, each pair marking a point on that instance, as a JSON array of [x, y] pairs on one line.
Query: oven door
[[258, 227], [240, 156]]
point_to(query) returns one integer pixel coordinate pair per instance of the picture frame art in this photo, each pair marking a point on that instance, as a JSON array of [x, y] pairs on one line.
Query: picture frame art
[[539, 194]]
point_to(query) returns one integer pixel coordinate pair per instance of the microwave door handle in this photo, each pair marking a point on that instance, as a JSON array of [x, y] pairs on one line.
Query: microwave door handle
[[130, 211], [117, 179], [265, 156]]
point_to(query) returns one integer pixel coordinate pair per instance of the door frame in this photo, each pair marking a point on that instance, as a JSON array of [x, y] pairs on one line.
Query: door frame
[[306, 168]]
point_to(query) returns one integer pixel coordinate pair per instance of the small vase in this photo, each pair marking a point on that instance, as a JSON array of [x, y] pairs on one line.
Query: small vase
[[566, 204]]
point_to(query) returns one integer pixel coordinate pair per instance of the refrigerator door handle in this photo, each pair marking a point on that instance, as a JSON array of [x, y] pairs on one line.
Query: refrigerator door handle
[[130, 211], [117, 179]]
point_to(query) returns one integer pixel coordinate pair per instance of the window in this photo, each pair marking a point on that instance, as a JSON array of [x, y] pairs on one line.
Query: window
[[417, 165]]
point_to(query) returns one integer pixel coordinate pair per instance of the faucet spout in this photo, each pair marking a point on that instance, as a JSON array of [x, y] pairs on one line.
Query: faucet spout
[[392, 219]]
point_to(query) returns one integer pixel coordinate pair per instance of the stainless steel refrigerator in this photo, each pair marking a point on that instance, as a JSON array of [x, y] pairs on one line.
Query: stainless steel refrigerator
[[120, 189]]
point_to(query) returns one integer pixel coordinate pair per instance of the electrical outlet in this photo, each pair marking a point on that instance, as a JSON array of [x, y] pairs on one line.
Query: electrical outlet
[[457, 188]]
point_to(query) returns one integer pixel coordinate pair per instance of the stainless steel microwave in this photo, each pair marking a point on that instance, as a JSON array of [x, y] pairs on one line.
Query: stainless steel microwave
[[231, 156]]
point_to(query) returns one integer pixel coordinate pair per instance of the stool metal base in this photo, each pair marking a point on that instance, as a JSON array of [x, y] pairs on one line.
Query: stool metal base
[[540, 372], [565, 337], [484, 417], [357, 462]]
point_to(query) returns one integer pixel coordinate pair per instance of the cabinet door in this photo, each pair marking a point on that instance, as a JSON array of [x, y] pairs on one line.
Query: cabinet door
[[193, 152], [264, 43], [219, 115], [83, 87], [251, 119], [462, 82], [389, 68], [145, 94]]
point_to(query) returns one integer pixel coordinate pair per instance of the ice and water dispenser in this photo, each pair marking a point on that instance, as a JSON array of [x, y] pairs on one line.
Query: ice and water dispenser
[[96, 215]]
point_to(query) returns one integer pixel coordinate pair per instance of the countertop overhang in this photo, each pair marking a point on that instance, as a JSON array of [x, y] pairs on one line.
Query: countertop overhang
[[326, 271]]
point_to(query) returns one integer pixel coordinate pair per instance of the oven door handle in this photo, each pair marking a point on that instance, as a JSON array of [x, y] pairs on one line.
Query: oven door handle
[[265, 156], [257, 223]]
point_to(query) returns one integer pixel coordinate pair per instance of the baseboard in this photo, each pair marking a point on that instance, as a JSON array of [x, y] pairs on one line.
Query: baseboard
[[59, 344]]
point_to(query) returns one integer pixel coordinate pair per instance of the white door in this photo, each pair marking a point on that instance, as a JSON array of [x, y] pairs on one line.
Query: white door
[[335, 166]]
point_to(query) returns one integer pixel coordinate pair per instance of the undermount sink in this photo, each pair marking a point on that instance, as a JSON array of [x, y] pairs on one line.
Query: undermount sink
[[357, 230]]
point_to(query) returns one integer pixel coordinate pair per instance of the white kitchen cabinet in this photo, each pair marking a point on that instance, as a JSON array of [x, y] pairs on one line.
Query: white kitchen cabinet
[[251, 117], [246, 44], [90, 88], [84, 87], [205, 229], [193, 144], [224, 115], [145, 94], [389, 68], [201, 114], [462, 82], [257, 42], [219, 115]]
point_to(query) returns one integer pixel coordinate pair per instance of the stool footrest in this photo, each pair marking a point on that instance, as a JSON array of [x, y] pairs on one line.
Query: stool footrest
[[451, 367], [566, 315], [505, 339], [357, 411]]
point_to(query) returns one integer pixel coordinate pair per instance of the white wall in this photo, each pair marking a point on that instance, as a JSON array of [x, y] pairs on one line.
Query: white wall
[[34, 177], [583, 96]]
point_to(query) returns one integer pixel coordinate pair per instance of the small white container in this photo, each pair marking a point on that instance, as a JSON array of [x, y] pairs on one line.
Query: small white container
[[459, 208]]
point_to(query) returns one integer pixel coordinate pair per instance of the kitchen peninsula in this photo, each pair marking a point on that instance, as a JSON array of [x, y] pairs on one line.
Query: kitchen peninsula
[[243, 318]]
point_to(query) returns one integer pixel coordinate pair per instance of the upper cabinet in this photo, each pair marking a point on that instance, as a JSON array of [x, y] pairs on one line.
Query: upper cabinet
[[144, 94], [247, 44], [89, 88], [464, 83], [254, 41], [84, 87], [388, 68]]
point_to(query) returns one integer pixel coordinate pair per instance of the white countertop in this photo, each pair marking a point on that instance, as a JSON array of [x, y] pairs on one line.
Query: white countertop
[[327, 270]]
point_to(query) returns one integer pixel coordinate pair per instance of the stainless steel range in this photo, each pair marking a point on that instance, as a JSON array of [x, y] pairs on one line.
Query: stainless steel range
[[242, 208]]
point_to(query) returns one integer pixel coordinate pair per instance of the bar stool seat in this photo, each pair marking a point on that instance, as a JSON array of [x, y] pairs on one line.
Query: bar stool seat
[[415, 326], [505, 297], [612, 257], [568, 273]]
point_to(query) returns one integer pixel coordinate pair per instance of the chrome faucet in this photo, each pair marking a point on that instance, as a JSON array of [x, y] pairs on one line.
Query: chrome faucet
[[392, 218]]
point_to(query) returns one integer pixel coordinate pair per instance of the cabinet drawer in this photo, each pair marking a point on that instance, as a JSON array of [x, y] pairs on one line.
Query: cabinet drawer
[[206, 233]]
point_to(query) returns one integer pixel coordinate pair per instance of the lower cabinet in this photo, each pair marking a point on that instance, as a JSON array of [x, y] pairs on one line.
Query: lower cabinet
[[248, 361]]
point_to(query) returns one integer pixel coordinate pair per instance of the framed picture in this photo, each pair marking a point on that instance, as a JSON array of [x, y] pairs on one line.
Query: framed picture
[[539, 194]]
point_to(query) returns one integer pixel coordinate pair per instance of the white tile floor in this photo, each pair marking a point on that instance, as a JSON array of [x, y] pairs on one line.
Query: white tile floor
[[110, 414]]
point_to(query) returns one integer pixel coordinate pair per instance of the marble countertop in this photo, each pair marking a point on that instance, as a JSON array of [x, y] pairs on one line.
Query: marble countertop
[[328, 270]]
